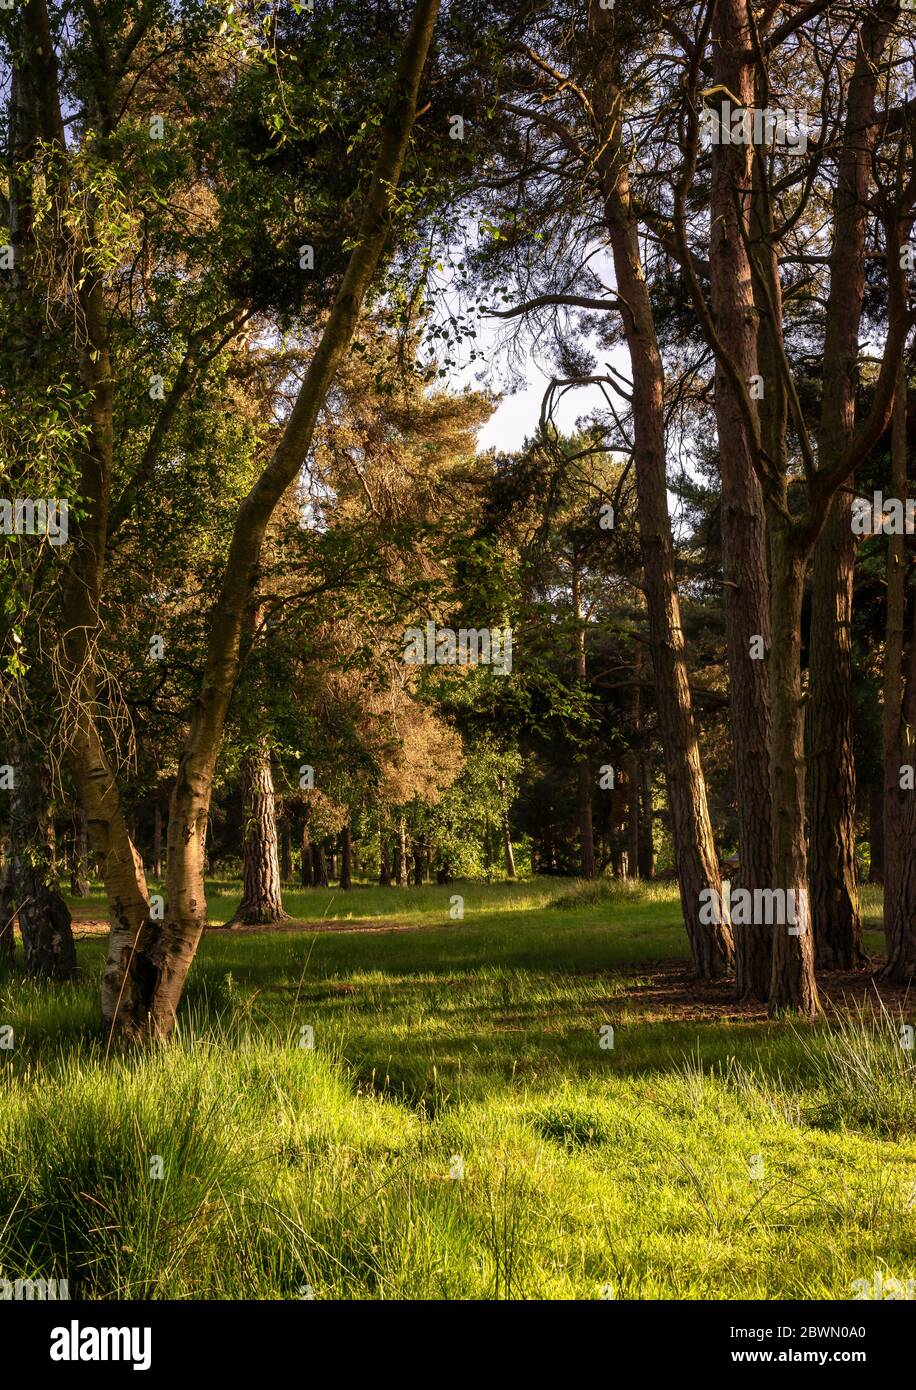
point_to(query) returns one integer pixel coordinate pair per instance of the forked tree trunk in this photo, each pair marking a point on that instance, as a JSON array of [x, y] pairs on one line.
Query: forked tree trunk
[[262, 896], [145, 982], [691, 827], [744, 549]]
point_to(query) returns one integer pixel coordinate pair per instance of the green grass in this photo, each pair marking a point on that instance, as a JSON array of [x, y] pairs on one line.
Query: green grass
[[692, 1160]]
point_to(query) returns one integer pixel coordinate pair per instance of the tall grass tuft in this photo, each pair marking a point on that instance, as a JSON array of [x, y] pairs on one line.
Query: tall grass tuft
[[867, 1074]]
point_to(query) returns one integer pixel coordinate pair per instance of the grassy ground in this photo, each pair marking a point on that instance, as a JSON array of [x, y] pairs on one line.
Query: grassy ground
[[457, 1129]]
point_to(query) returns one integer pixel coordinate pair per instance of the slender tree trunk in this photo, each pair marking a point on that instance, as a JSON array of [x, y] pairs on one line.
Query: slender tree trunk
[[384, 876], [7, 908], [691, 827], [508, 850], [584, 815], [44, 918], [305, 858], [583, 770], [346, 870], [157, 841], [417, 865], [792, 984], [286, 851], [646, 859], [876, 832], [630, 770], [79, 858], [744, 547], [899, 735], [262, 897], [403, 865]]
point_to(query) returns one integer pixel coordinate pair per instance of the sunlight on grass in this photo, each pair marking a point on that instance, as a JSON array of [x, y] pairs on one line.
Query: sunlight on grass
[[458, 1129]]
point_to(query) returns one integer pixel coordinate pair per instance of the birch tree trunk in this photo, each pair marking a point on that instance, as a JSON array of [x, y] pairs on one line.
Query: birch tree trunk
[[144, 984]]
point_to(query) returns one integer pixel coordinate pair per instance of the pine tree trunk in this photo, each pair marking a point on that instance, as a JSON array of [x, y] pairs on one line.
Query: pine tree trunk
[[831, 778], [792, 984], [899, 736], [262, 899], [346, 871], [744, 548], [833, 877], [691, 827]]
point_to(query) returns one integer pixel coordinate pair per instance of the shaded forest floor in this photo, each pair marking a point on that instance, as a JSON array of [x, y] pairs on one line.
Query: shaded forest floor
[[664, 989], [439, 1113]]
